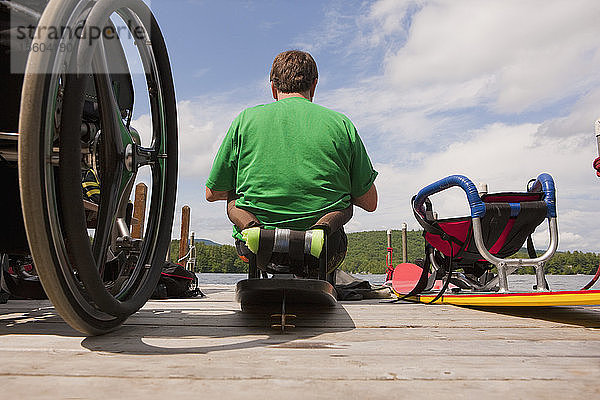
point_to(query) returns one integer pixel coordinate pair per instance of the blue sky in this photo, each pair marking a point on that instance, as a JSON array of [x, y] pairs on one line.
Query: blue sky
[[497, 91]]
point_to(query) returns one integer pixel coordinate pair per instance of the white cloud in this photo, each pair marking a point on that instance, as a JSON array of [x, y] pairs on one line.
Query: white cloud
[[460, 58], [202, 126], [524, 54], [581, 119]]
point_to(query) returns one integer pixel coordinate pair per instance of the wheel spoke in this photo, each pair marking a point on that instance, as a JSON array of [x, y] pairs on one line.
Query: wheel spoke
[[116, 134], [109, 204], [116, 139]]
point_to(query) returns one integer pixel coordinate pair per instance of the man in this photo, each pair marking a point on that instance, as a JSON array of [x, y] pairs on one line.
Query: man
[[291, 161]]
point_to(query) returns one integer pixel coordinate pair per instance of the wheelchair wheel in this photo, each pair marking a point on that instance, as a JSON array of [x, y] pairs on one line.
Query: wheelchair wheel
[[96, 275]]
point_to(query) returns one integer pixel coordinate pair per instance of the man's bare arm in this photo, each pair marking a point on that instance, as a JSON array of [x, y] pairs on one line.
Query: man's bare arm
[[367, 201], [214, 195]]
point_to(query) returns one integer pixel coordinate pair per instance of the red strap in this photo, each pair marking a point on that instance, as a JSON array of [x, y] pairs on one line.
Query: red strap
[[389, 273], [503, 236], [177, 276], [597, 166], [594, 279]]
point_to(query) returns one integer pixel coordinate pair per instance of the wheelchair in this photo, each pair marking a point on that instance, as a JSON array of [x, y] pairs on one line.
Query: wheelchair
[[67, 107]]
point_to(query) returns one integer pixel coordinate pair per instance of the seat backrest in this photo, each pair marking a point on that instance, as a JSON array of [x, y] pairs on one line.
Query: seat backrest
[[509, 219]]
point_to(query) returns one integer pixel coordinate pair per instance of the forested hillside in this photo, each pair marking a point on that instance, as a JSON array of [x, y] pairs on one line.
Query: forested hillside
[[213, 258], [367, 253]]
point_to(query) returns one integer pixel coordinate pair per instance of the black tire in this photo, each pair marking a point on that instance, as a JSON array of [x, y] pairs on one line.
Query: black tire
[[71, 269]]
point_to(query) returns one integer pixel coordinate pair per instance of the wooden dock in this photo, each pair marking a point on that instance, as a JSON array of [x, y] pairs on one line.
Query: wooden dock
[[207, 349]]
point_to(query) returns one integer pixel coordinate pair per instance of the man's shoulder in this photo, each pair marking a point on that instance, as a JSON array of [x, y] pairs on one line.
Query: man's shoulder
[[338, 118], [326, 112], [329, 111], [248, 114], [253, 110]]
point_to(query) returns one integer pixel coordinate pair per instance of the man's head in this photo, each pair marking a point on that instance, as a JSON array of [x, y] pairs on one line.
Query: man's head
[[294, 71]]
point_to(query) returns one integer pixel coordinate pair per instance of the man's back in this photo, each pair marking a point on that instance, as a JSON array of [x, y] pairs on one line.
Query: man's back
[[292, 161]]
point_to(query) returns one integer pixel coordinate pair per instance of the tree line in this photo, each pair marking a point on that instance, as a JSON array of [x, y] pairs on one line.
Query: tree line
[[213, 258], [367, 254]]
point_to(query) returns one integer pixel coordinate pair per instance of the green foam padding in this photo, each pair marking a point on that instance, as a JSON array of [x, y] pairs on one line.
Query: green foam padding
[[252, 237], [318, 239]]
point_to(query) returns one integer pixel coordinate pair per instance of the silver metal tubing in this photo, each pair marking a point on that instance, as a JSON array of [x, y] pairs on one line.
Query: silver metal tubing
[[542, 285], [495, 281], [122, 227], [459, 278], [532, 262], [502, 277], [9, 136], [456, 276], [507, 266]]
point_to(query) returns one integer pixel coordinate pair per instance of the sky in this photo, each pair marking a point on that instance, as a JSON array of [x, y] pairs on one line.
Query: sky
[[498, 91]]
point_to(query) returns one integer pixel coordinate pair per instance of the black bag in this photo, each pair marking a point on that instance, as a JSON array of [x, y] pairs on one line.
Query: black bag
[[176, 282], [18, 279]]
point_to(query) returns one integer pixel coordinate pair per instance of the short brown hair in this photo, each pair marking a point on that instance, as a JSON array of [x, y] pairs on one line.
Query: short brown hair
[[293, 71]]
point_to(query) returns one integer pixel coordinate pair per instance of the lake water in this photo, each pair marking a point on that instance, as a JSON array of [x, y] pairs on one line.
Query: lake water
[[515, 282]]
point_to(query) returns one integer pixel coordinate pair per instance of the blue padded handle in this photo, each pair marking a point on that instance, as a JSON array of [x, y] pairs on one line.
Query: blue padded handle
[[477, 206], [545, 183]]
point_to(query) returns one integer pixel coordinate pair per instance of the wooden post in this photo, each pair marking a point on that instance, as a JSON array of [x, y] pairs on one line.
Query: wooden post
[[389, 266], [139, 211], [404, 244], [185, 231]]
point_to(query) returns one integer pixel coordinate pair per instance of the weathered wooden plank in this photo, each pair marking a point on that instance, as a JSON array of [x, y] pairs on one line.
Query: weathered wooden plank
[[233, 359], [356, 350], [292, 388]]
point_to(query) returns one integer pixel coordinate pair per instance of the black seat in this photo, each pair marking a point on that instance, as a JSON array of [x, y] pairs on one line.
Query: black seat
[[288, 256]]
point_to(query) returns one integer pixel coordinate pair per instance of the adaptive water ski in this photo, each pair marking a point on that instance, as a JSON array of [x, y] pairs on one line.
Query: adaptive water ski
[[253, 293], [515, 299]]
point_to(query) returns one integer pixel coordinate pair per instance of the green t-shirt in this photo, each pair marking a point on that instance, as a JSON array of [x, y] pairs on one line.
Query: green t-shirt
[[292, 161]]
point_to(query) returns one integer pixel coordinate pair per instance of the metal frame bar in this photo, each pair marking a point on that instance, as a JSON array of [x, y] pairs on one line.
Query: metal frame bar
[[507, 266], [457, 277]]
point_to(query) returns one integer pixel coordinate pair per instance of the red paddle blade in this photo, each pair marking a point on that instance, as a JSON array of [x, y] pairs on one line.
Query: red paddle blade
[[405, 277]]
